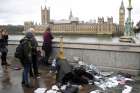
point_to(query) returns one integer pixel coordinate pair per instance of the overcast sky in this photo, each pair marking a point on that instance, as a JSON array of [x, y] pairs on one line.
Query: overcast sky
[[17, 11]]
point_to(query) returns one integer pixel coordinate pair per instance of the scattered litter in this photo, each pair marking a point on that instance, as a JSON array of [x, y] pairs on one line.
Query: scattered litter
[[129, 79], [63, 87], [127, 89], [51, 91], [105, 81], [95, 91], [76, 59], [40, 90], [81, 63], [54, 87], [15, 67], [106, 73]]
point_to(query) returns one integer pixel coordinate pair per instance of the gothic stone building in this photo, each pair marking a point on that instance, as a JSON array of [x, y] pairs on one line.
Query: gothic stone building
[[74, 26]]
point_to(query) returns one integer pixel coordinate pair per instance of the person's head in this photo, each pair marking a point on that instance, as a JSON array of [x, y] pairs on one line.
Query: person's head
[[3, 32], [32, 30], [29, 35], [48, 29]]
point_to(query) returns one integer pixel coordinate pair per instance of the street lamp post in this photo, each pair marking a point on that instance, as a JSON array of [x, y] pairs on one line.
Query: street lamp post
[[128, 33]]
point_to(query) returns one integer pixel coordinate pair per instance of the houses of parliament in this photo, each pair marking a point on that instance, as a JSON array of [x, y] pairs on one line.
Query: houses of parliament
[[74, 26]]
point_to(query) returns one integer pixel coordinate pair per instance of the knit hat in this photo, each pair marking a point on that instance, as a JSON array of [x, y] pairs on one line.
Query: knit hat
[[29, 35]]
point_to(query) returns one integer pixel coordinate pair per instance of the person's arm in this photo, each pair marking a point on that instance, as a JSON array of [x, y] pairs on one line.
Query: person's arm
[[6, 37], [51, 35]]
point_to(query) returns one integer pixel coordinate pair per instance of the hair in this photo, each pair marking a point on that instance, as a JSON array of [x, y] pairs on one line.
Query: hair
[[48, 29], [2, 30], [0, 34], [31, 29]]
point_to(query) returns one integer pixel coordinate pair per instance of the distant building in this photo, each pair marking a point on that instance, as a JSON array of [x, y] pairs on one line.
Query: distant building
[[74, 26]]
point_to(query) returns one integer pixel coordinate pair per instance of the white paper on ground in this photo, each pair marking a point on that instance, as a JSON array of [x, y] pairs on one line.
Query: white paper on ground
[[127, 89], [54, 87], [40, 90], [63, 87], [51, 91], [129, 79], [106, 73], [95, 91]]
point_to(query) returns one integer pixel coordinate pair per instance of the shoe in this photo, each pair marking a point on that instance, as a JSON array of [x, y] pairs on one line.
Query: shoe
[[8, 64], [23, 82], [37, 76], [38, 73], [31, 75], [28, 86]]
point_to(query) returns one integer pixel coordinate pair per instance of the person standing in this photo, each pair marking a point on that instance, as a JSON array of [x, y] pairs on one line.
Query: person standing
[[27, 58], [5, 36], [3, 50], [34, 54], [47, 44]]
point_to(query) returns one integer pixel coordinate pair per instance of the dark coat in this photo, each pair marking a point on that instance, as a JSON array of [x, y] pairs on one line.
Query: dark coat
[[27, 50], [3, 46], [2, 43], [47, 39], [5, 37], [63, 68]]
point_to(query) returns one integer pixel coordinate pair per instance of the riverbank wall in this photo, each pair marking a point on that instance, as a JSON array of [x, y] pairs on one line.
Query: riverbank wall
[[120, 57]]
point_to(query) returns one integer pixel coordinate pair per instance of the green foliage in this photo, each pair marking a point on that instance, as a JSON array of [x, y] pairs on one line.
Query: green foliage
[[13, 29], [137, 27]]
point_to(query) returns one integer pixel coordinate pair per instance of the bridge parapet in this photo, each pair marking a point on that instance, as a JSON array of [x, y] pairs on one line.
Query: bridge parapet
[[122, 57]]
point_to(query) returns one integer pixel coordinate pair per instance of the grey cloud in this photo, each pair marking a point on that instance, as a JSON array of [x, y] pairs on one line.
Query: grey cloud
[[17, 6], [11, 10]]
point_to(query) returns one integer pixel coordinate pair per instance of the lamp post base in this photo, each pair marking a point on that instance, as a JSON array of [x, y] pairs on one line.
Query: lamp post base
[[127, 39]]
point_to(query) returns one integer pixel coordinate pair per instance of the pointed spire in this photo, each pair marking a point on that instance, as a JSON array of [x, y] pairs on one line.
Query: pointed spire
[[45, 7], [49, 8], [41, 7], [122, 5], [70, 16]]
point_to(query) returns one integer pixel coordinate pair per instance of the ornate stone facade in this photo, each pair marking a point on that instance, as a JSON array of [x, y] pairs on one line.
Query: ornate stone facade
[[74, 26]]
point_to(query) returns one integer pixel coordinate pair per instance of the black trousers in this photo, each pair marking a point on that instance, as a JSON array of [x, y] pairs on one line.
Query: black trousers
[[3, 58], [34, 66], [48, 51]]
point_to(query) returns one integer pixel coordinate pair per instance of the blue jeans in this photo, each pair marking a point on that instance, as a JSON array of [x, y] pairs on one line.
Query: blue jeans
[[25, 74]]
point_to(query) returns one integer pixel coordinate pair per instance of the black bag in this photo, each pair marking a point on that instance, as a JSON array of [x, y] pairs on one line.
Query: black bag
[[19, 51], [71, 89], [4, 50]]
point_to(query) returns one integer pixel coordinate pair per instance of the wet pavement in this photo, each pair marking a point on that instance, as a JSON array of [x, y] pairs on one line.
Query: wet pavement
[[10, 81]]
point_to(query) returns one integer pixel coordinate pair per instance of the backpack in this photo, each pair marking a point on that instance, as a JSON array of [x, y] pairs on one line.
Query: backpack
[[19, 51]]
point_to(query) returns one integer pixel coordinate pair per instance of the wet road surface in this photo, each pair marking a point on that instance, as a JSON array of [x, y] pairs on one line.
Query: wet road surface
[[10, 81]]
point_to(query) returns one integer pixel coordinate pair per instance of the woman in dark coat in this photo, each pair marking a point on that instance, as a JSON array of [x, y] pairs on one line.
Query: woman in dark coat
[[3, 51]]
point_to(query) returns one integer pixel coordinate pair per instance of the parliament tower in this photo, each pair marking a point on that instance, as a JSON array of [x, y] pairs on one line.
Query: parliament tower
[[121, 17], [45, 15]]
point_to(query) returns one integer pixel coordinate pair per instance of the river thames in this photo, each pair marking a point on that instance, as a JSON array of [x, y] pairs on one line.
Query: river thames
[[79, 38]]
